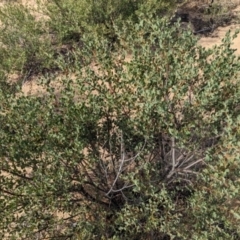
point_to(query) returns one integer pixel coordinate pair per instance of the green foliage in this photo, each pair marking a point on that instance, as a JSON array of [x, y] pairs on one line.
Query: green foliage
[[215, 205], [34, 40], [69, 19], [24, 43], [139, 142]]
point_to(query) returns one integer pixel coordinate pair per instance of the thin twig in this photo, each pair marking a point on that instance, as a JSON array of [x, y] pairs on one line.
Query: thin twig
[[194, 163], [121, 164]]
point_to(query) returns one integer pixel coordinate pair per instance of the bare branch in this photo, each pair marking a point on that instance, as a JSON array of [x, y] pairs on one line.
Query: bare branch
[[121, 189], [121, 164], [194, 163], [121, 168], [173, 154]]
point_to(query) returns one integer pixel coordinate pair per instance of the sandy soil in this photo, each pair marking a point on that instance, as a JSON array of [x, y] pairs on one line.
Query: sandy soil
[[219, 34]]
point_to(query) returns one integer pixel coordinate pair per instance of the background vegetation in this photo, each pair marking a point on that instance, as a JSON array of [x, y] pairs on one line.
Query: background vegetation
[[135, 134]]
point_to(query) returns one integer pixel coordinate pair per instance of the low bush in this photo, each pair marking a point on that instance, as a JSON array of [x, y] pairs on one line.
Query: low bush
[[37, 40], [25, 45], [137, 143]]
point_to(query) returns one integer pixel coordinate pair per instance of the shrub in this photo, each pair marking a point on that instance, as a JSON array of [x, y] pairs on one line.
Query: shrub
[[70, 19], [37, 40], [25, 44], [127, 146]]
